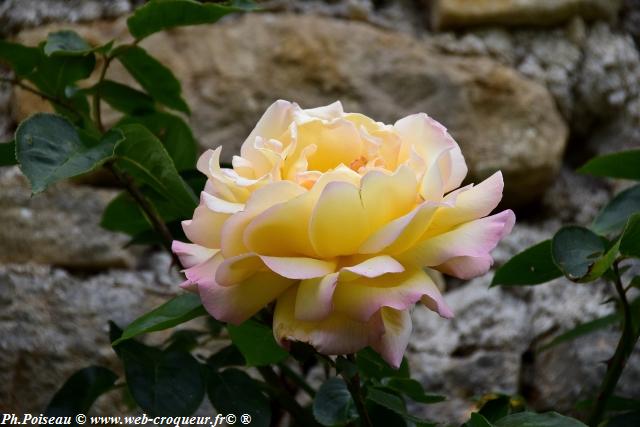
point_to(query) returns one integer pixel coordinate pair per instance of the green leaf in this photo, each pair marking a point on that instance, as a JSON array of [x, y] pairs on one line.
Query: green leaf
[[80, 391], [494, 406], [630, 240], [155, 78], [144, 157], [530, 419], [581, 254], [160, 15], [66, 42], [371, 365], [393, 403], [234, 392], [412, 389], [123, 214], [53, 74], [227, 356], [178, 310], [624, 165], [530, 267], [334, 404], [49, 149], [8, 153], [22, 59], [174, 133], [256, 343], [582, 330], [613, 217], [124, 98], [628, 419], [163, 383], [478, 420]]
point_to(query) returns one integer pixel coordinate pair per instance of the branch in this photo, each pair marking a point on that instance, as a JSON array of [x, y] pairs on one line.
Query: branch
[[149, 210], [51, 99], [353, 384], [616, 365]]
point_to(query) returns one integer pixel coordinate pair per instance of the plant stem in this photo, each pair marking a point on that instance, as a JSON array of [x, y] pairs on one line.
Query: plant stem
[[353, 384], [149, 210], [278, 390], [297, 379], [52, 99], [97, 114], [616, 364]]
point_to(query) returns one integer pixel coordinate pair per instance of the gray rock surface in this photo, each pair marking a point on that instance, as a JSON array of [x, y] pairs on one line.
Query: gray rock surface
[[17, 14], [492, 345], [53, 323], [57, 227]]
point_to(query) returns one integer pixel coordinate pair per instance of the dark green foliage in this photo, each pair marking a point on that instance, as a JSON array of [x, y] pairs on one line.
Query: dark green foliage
[[333, 404], [256, 343], [234, 392], [531, 267]]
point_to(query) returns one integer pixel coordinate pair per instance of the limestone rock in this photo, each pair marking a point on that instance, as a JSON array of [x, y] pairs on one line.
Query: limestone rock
[[232, 71], [464, 13], [59, 226], [53, 323]]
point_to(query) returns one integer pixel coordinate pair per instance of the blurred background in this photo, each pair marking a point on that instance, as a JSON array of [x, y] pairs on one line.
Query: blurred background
[[529, 87]]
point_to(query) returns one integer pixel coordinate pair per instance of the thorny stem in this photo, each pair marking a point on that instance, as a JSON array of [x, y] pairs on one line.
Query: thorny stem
[[616, 364], [149, 210], [353, 384]]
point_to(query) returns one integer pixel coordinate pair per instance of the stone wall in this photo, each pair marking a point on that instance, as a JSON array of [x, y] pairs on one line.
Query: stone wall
[[533, 102]]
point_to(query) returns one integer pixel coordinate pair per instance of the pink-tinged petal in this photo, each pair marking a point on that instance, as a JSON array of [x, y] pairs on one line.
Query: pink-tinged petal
[[219, 205], [236, 269], [437, 305], [466, 267], [189, 286], [314, 298], [205, 227], [398, 190], [470, 204], [457, 170], [372, 267], [397, 330], [432, 184], [283, 229], [338, 225], [328, 112], [476, 239], [204, 272], [273, 123], [299, 267], [190, 254], [336, 334], [428, 137], [361, 298], [237, 303], [205, 160], [401, 233]]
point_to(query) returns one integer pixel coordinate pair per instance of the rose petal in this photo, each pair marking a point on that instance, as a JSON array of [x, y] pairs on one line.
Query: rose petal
[[299, 267], [397, 330], [338, 225], [476, 238], [238, 268], [372, 267], [336, 334], [190, 254], [205, 227], [466, 267], [361, 298], [314, 298]]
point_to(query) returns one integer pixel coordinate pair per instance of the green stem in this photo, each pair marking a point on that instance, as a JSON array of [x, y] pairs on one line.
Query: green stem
[[353, 384], [149, 210], [285, 399], [97, 114], [616, 365]]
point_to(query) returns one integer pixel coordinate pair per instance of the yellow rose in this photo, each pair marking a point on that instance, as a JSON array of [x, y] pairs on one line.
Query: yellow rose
[[343, 222]]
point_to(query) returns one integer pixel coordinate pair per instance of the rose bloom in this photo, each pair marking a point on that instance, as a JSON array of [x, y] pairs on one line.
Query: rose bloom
[[344, 222]]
